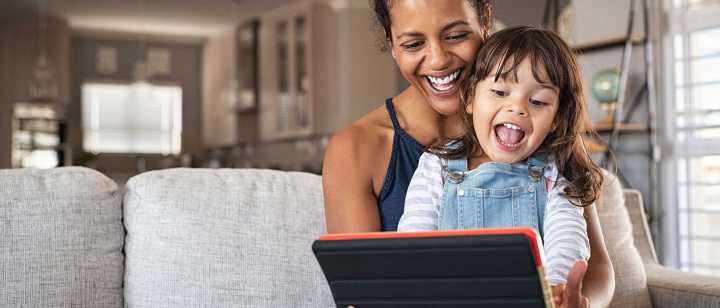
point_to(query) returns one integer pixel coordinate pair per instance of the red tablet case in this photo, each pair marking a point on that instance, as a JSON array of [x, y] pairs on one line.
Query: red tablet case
[[479, 267]]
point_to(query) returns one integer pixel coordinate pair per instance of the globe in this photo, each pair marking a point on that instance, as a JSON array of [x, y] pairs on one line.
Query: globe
[[606, 85]]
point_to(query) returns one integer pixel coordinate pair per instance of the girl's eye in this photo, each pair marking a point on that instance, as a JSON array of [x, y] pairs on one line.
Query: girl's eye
[[499, 93], [458, 37], [538, 103], [413, 45]]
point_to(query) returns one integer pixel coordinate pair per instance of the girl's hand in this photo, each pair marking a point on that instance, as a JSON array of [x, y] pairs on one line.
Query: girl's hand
[[558, 293], [571, 296]]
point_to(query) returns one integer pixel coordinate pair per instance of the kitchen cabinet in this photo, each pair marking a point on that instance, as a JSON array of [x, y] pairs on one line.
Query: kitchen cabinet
[[320, 68]]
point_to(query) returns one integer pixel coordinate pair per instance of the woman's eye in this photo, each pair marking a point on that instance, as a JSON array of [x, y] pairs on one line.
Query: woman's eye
[[499, 93], [413, 45], [458, 37]]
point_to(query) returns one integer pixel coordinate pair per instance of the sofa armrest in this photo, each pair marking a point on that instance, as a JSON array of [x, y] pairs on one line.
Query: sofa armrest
[[673, 288]]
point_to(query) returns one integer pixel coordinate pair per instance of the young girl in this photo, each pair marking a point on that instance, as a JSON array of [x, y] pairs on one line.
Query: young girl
[[521, 161]]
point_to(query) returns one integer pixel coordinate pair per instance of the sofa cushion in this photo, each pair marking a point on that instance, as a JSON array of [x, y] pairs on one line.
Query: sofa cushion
[[61, 239], [630, 280], [224, 238]]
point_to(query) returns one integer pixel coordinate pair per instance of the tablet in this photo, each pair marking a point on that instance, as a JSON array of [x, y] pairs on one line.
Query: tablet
[[467, 268]]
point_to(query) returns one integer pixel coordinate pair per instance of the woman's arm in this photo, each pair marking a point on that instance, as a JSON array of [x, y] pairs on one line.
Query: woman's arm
[[599, 281], [350, 203]]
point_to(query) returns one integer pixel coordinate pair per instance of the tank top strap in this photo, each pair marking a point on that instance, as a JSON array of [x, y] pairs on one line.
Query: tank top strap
[[406, 152], [393, 115]]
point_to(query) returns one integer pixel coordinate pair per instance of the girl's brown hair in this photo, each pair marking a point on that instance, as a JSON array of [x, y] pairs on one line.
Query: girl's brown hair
[[501, 56], [483, 8]]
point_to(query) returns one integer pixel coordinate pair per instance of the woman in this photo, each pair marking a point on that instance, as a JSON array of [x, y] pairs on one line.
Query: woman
[[368, 165]]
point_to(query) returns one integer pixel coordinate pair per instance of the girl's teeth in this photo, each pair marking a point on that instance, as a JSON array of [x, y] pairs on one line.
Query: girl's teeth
[[512, 126]]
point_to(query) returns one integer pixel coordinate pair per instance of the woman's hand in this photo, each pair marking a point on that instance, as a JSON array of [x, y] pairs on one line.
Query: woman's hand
[[570, 295]]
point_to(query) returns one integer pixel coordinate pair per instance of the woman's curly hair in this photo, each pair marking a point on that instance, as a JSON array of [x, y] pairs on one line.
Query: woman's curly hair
[[383, 21]]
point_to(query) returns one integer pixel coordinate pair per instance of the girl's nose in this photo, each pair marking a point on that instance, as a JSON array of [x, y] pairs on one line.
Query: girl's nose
[[517, 108]]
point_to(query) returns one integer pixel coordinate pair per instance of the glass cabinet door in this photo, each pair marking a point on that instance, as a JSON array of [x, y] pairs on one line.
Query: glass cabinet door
[[302, 108], [283, 98], [288, 100]]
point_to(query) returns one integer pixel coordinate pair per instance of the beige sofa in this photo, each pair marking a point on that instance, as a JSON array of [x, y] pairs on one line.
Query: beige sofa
[[229, 238]]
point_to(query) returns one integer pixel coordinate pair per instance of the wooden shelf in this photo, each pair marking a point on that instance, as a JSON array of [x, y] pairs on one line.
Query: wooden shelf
[[597, 145], [30, 148], [627, 127], [594, 145], [609, 44]]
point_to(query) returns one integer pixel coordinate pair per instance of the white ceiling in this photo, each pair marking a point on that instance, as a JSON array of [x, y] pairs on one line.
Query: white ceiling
[[165, 17]]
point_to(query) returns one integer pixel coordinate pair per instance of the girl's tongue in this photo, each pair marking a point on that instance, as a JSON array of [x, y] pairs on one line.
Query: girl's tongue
[[508, 135]]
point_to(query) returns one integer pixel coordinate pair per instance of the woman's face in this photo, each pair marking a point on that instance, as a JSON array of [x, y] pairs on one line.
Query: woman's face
[[434, 43]]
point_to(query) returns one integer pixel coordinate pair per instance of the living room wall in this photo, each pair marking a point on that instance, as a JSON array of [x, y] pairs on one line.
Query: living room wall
[[185, 64]]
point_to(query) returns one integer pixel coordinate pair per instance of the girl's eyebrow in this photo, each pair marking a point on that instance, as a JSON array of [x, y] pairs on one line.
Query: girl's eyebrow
[[549, 86], [445, 28]]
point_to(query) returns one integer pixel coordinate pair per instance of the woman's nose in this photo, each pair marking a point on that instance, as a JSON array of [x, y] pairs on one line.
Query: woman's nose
[[438, 57]]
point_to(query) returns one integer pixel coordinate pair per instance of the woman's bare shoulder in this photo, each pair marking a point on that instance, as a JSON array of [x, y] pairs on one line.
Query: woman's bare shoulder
[[353, 171], [365, 136]]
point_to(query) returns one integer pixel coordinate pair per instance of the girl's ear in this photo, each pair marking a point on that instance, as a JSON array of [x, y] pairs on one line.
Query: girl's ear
[[469, 107], [392, 52]]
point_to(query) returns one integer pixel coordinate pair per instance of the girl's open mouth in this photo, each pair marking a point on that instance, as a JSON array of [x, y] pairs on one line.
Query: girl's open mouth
[[509, 135]]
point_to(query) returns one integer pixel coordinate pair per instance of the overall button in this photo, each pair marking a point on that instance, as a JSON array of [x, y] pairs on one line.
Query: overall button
[[461, 192], [531, 188]]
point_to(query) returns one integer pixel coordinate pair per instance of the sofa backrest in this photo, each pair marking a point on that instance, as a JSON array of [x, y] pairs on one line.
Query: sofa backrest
[[630, 279], [61, 239], [199, 238], [224, 238]]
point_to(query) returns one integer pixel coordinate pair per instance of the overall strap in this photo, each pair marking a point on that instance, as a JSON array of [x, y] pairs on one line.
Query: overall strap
[[456, 169], [536, 167], [536, 172], [457, 165]]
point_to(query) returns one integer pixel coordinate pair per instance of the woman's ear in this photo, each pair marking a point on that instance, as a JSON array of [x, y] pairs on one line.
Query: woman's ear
[[469, 107]]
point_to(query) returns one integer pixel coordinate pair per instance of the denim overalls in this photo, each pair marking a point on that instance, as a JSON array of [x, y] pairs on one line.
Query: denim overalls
[[493, 195]]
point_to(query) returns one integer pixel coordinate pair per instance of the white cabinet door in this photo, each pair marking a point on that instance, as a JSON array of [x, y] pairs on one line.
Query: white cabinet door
[[286, 109]]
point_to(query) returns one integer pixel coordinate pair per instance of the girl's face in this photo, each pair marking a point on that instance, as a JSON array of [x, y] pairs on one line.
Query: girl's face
[[513, 117], [434, 42]]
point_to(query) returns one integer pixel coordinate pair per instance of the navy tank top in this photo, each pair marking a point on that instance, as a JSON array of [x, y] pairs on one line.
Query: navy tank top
[[406, 152]]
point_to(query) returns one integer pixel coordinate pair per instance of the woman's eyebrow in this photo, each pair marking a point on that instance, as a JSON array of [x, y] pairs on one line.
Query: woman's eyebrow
[[410, 35], [455, 24], [445, 28]]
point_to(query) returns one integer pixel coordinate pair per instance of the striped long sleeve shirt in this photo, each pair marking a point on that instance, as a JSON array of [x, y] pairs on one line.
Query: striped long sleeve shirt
[[565, 236]]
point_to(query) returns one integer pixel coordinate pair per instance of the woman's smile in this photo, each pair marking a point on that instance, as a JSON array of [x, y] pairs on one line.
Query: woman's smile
[[444, 84]]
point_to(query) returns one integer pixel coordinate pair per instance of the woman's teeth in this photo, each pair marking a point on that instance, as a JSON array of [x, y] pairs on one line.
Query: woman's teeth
[[444, 83]]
